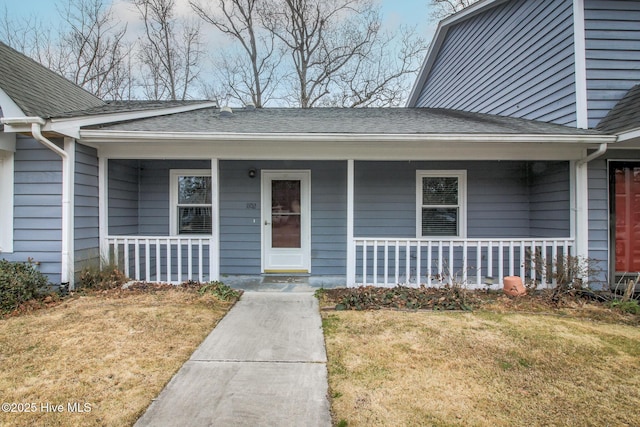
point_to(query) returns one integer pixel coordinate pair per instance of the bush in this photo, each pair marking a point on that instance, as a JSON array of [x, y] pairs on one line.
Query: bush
[[107, 277], [19, 282], [220, 290]]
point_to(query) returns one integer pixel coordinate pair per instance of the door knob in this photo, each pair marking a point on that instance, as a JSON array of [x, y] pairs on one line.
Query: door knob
[[267, 223]]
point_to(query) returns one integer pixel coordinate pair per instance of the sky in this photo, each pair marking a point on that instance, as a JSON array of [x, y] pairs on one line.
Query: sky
[[395, 12]]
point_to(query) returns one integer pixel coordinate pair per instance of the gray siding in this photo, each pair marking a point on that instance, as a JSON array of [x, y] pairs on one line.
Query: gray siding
[[504, 199], [240, 238], [550, 199], [38, 207], [123, 197], [515, 60], [87, 232], [613, 53]]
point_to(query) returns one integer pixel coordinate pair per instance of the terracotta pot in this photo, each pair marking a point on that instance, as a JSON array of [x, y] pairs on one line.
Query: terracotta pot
[[513, 286]]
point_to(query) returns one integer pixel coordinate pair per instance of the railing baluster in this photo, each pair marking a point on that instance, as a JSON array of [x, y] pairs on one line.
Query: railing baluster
[[136, 257], [522, 260], [429, 255], [479, 263], [375, 262], [179, 256], [465, 265], [500, 262], [511, 258], [158, 262], [200, 266], [189, 259], [532, 262], [407, 261], [554, 262], [147, 260], [543, 261], [451, 262], [386, 263], [418, 266], [364, 263], [126, 257], [440, 254], [489, 258], [397, 264]]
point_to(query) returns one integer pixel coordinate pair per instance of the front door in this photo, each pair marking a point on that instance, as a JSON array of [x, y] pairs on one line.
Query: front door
[[625, 180], [286, 207]]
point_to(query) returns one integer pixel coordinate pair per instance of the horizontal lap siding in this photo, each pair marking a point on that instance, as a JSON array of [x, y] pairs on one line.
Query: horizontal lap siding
[[240, 215], [515, 60], [550, 199], [123, 197], [497, 198], [37, 207], [87, 233], [613, 53], [154, 193]]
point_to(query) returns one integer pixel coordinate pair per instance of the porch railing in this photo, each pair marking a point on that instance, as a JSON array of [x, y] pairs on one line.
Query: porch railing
[[473, 262], [163, 258]]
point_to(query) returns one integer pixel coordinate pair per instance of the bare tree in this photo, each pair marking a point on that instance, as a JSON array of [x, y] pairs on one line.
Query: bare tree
[[94, 48], [87, 49], [444, 8], [383, 76], [252, 74], [169, 51], [322, 37]]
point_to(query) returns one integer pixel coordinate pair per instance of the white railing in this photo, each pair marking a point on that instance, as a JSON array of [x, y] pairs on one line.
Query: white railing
[[163, 258], [472, 262]]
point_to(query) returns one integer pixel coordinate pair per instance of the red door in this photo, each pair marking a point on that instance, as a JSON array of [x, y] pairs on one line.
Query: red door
[[627, 214]]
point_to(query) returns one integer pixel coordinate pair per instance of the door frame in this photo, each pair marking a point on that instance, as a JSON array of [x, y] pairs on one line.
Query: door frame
[[266, 177]]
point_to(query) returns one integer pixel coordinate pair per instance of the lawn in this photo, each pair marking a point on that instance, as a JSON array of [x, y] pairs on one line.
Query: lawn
[[99, 359], [490, 367]]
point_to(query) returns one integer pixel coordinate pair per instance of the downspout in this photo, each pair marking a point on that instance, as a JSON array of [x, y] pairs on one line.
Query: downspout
[[65, 273]]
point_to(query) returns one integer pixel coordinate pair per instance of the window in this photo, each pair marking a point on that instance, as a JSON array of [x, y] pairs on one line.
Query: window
[[191, 202], [6, 201], [441, 203]]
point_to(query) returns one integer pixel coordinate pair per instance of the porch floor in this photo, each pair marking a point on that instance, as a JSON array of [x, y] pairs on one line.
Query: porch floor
[[284, 283]]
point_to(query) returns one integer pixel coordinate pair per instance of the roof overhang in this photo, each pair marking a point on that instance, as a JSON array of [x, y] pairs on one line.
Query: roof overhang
[[70, 126], [629, 139], [333, 146], [439, 37], [9, 107]]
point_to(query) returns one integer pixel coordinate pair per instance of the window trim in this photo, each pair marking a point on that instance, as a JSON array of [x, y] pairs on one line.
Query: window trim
[[6, 201], [173, 198], [461, 174]]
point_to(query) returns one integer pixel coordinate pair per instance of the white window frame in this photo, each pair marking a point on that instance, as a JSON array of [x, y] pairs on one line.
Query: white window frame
[[462, 200], [173, 198], [6, 201]]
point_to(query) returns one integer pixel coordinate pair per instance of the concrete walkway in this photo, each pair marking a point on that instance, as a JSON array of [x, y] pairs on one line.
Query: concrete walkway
[[263, 365]]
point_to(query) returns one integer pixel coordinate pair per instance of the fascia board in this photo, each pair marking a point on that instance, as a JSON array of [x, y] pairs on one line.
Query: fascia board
[[629, 135], [102, 136], [71, 126], [9, 107]]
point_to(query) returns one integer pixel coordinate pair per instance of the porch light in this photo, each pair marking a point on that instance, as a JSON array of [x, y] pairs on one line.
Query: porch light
[[252, 173]]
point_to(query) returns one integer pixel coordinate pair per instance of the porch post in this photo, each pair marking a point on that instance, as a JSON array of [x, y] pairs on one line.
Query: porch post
[[103, 220], [582, 210], [68, 223], [214, 247], [351, 248]]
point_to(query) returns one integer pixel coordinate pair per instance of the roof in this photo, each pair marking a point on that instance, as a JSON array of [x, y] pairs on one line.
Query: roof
[[625, 115], [341, 121], [111, 107], [38, 91]]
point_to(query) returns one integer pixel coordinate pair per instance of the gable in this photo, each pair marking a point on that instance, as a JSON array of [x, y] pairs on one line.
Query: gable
[[514, 59]]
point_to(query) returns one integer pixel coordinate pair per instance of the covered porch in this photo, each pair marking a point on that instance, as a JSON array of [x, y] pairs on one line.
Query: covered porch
[[367, 224]]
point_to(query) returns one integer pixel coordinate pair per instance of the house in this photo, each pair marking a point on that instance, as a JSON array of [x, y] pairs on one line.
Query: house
[[570, 62], [497, 183]]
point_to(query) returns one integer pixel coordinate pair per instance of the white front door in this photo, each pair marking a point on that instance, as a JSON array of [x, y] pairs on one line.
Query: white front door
[[286, 221]]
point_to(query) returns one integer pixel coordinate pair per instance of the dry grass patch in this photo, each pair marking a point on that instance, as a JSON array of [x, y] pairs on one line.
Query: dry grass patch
[[113, 350], [481, 369]]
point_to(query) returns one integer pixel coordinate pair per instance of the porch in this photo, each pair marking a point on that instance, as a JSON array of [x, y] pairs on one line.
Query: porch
[[475, 263], [365, 222]]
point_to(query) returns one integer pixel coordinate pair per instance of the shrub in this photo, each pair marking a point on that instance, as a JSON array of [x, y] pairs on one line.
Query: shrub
[[19, 282], [107, 277], [220, 291]]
